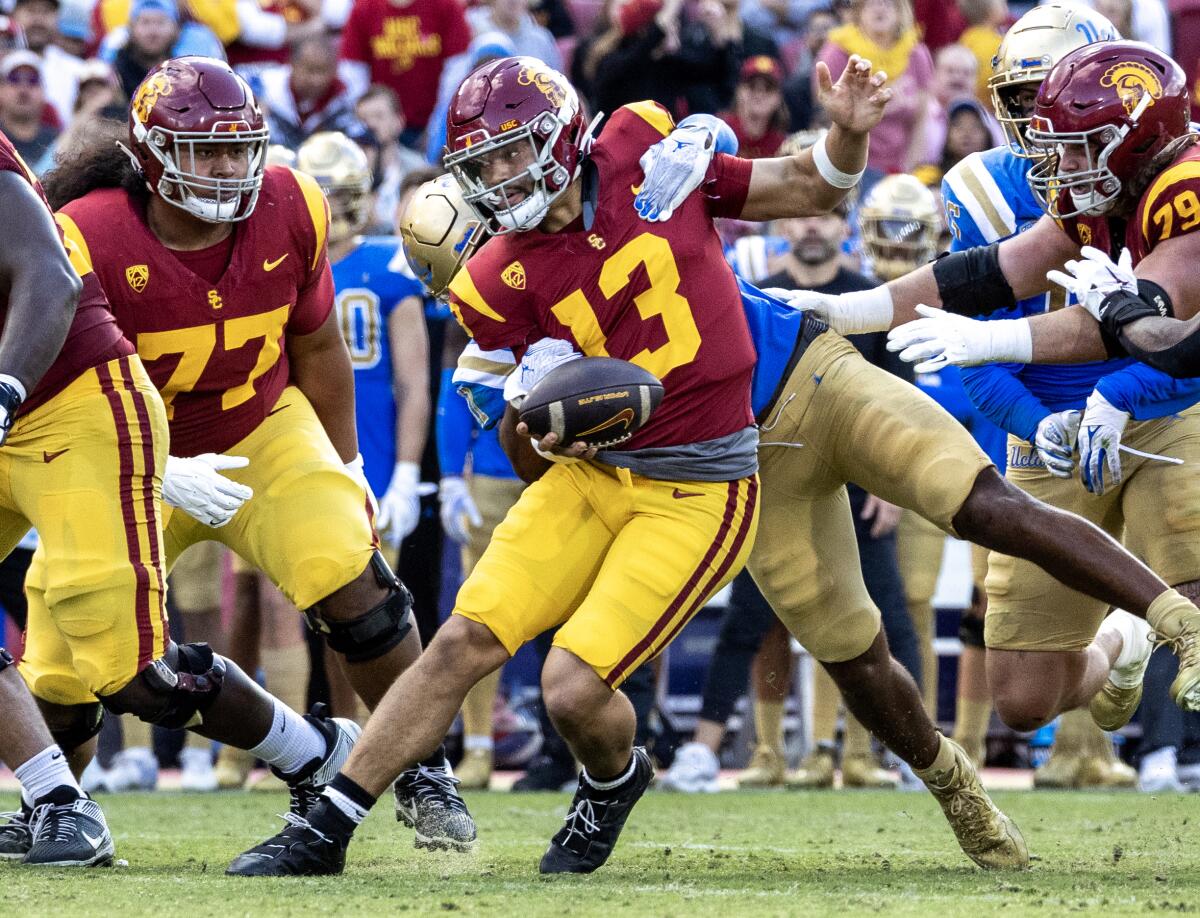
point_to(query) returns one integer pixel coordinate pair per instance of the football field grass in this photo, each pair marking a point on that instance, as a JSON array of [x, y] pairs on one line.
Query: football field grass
[[749, 853]]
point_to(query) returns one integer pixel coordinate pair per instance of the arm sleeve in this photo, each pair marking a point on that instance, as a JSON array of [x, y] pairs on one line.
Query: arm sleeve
[[726, 185], [453, 427], [1003, 399], [479, 379], [1147, 393]]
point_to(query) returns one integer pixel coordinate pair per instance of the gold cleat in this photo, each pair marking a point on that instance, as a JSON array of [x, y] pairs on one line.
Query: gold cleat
[[1061, 772], [1106, 774], [474, 771], [1178, 626], [814, 773], [985, 834], [864, 771], [766, 768], [1112, 707], [233, 768]]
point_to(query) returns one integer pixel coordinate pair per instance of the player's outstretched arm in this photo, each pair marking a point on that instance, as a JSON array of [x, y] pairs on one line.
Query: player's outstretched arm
[[814, 181], [43, 288], [321, 369]]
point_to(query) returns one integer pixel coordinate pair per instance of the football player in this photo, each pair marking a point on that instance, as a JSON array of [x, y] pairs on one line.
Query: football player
[[1111, 122], [620, 550], [217, 271]]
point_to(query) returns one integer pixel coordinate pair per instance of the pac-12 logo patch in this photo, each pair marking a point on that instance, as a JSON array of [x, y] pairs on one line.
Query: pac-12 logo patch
[[138, 276], [514, 275], [1132, 81]]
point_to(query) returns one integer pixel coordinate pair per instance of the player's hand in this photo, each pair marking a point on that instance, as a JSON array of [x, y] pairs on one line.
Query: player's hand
[[885, 516], [1100, 444], [196, 487], [942, 339], [458, 509], [1094, 276], [1055, 442], [400, 506], [355, 470], [540, 358], [855, 103], [548, 446], [673, 168]]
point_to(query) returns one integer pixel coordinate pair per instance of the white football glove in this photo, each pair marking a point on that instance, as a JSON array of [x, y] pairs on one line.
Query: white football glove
[[1100, 444], [1095, 276], [196, 487], [674, 168], [400, 506], [944, 339], [1055, 442], [540, 358], [846, 313], [458, 509], [355, 469]]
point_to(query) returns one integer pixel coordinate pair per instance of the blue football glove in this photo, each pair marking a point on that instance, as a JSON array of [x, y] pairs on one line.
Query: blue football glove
[[1100, 444], [1055, 442], [676, 165]]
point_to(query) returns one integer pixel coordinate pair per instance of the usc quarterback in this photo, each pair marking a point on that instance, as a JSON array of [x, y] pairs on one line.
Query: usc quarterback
[[217, 271], [1116, 165]]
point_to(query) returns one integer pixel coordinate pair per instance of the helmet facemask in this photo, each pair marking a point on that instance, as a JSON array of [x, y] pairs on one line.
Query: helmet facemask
[[349, 209], [896, 245], [1014, 117]]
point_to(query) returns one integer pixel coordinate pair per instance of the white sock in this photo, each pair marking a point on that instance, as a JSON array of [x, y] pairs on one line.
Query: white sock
[[353, 811], [1131, 663], [291, 743], [478, 742], [615, 782], [44, 772]]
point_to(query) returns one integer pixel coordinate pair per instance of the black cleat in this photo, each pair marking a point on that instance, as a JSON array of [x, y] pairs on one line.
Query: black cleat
[[69, 833], [428, 801], [547, 773], [595, 820], [298, 851], [16, 835], [305, 785]]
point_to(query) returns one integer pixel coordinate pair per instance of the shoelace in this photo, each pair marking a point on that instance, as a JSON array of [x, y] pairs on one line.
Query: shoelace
[[18, 824], [299, 822], [62, 827], [968, 802], [304, 797], [433, 785], [582, 814]]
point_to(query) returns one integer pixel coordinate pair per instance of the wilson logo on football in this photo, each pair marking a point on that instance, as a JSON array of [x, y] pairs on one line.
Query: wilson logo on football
[[549, 87], [1132, 81], [624, 417], [138, 276], [514, 276], [148, 95]]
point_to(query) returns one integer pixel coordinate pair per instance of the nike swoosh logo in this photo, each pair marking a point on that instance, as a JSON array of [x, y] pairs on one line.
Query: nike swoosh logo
[[94, 842], [679, 495], [276, 410], [272, 265], [624, 416], [48, 456]]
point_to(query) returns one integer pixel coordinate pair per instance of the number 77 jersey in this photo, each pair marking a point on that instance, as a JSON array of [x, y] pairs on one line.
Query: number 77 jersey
[[659, 295], [215, 349]]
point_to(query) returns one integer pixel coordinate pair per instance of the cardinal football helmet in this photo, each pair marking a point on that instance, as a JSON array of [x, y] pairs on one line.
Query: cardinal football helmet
[[1035, 43], [341, 169], [439, 233], [1110, 107], [185, 109], [515, 127]]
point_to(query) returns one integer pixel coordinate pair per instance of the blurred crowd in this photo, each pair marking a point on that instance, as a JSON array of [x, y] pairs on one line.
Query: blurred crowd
[[382, 73]]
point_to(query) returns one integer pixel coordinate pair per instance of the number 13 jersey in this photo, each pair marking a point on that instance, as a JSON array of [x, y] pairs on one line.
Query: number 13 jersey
[[215, 350], [657, 294]]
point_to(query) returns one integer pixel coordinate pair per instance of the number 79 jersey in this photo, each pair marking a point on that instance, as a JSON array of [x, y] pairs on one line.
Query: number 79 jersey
[[216, 351], [657, 294]]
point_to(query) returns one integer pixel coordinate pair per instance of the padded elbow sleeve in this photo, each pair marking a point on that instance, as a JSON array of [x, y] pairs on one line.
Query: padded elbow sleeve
[[970, 282], [1181, 360]]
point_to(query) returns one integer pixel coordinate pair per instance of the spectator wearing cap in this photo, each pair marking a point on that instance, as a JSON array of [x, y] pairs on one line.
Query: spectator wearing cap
[[715, 31], [512, 18], [306, 95], [155, 33], [404, 44], [485, 46], [379, 109], [22, 105], [882, 31], [38, 21], [759, 118]]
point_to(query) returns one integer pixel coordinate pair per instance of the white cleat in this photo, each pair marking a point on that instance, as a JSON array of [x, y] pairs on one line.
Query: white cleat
[[1158, 773], [196, 771], [694, 771]]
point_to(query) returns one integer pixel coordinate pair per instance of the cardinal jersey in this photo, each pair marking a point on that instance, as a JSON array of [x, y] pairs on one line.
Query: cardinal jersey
[[93, 337], [659, 295], [367, 292], [216, 351]]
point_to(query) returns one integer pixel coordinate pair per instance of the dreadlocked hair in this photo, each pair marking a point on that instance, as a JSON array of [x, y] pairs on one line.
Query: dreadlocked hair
[[106, 165]]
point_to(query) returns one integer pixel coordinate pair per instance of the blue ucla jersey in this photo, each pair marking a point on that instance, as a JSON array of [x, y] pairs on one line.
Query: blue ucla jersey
[[368, 289]]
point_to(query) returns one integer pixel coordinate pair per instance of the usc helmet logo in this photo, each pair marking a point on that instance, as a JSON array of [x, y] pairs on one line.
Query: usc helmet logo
[[149, 93], [1132, 81], [549, 87]]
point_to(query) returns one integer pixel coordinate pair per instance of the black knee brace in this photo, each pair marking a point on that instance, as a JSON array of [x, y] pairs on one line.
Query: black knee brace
[[80, 724], [6, 660], [970, 631], [175, 690], [375, 632]]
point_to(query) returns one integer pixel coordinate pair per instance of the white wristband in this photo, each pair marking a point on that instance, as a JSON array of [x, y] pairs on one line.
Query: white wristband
[[864, 311], [15, 383], [1012, 341], [831, 173]]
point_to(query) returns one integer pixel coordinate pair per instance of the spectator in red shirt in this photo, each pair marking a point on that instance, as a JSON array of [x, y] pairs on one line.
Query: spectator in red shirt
[[759, 117], [402, 44]]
